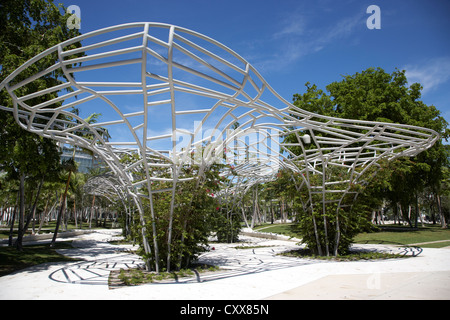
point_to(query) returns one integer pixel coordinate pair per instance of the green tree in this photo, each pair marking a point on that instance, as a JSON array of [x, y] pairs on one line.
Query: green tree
[[194, 217], [375, 95], [26, 156], [27, 28]]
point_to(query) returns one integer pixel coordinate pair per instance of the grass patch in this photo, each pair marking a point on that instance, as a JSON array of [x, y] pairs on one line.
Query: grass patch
[[387, 234], [351, 256], [436, 245], [137, 276], [12, 260], [287, 229], [252, 247], [405, 236], [50, 227]]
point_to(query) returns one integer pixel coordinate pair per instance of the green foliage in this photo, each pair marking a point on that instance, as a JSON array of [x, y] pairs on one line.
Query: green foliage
[[29, 27], [350, 256], [227, 226], [371, 95], [195, 216], [26, 153], [375, 95], [327, 228], [133, 277]]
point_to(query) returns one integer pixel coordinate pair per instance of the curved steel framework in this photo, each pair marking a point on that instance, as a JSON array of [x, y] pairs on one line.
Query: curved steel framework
[[153, 81]]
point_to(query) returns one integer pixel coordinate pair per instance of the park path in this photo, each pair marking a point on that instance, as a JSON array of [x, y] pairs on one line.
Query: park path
[[431, 242]]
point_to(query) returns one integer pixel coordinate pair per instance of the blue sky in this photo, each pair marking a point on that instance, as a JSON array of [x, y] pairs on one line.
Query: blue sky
[[291, 42]]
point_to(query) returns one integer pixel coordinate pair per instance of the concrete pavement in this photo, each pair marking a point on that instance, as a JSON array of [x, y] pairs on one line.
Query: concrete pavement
[[254, 273]]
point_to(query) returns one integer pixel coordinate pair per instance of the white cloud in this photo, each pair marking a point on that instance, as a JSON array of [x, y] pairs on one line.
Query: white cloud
[[299, 35], [291, 27], [430, 74], [340, 30]]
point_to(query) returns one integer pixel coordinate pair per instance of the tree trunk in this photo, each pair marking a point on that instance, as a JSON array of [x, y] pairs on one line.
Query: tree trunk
[[443, 222], [58, 219], [327, 251], [11, 229], [33, 208], [432, 211], [170, 228], [252, 223], [42, 216], [255, 210], [105, 215], [96, 212], [47, 214], [92, 208], [75, 214], [244, 216], [65, 217], [21, 212], [408, 217], [417, 212], [338, 234], [272, 212], [420, 215], [316, 233]]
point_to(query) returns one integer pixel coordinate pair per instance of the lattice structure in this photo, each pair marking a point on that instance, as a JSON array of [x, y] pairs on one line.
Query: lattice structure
[[170, 96], [108, 186]]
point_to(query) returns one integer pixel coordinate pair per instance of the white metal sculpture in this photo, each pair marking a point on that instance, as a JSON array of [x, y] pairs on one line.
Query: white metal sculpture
[[209, 100]]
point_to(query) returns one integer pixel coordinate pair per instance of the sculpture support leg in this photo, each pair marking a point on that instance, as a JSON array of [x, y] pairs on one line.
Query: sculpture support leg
[[145, 243], [324, 172]]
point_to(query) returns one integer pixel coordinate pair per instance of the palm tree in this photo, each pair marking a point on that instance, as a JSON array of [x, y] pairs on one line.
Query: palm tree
[[76, 186], [70, 166]]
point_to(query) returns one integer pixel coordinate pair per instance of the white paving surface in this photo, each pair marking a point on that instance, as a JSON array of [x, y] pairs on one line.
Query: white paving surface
[[256, 273]]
